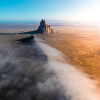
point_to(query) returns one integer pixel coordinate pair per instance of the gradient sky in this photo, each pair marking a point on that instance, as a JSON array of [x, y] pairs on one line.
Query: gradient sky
[[69, 10]]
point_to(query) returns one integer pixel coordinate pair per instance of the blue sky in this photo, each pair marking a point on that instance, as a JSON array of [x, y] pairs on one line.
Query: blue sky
[[69, 10]]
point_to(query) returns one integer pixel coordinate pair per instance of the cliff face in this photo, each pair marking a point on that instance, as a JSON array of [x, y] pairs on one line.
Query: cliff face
[[44, 27]]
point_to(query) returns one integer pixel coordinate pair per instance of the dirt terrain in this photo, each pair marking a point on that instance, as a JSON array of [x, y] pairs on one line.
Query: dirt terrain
[[80, 44], [24, 68]]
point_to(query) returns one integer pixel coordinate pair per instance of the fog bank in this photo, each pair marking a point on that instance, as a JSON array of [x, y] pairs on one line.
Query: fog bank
[[24, 74], [76, 84], [35, 71]]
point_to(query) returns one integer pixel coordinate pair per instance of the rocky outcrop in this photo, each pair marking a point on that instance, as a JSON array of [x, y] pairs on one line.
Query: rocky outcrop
[[44, 27], [27, 39]]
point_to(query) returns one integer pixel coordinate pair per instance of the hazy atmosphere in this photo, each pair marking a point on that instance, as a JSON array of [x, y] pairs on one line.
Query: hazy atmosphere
[[49, 50]]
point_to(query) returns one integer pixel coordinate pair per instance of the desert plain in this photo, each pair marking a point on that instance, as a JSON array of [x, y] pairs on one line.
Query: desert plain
[[26, 66], [80, 45]]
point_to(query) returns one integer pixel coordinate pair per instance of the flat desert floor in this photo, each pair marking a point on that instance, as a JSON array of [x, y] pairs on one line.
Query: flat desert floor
[[80, 45]]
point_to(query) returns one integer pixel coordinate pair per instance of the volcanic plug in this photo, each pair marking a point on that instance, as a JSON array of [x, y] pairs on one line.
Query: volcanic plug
[[44, 27]]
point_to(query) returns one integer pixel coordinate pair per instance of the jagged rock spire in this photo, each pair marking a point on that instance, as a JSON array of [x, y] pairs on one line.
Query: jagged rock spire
[[44, 27]]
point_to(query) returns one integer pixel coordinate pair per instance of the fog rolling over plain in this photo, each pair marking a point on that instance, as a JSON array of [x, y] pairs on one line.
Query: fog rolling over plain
[[34, 70], [49, 50], [37, 71], [25, 75]]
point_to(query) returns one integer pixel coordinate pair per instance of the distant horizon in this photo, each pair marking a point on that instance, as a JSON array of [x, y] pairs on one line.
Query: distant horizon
[[52, 22]]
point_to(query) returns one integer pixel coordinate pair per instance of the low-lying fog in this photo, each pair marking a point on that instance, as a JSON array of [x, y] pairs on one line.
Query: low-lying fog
[[36, 71]]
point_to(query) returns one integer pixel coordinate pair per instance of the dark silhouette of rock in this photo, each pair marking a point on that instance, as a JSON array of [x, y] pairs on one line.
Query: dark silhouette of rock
[[44, 27], [27, 39]]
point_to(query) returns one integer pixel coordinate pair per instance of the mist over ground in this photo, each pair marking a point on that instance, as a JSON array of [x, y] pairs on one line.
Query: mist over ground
[[76, 84], [37, 71], [24, 76]]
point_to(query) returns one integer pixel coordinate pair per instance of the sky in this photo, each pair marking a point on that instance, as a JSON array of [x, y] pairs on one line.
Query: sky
[[67, 10]]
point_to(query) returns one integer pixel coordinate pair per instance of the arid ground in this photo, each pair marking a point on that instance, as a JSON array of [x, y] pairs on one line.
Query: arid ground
[[80, 44], [34, 70]]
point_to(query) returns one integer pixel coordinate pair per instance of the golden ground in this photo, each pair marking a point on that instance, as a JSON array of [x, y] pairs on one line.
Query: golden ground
[[80, 44]]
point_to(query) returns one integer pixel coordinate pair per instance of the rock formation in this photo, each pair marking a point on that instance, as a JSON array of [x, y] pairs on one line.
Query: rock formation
[[44, 27], [27, 39]]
